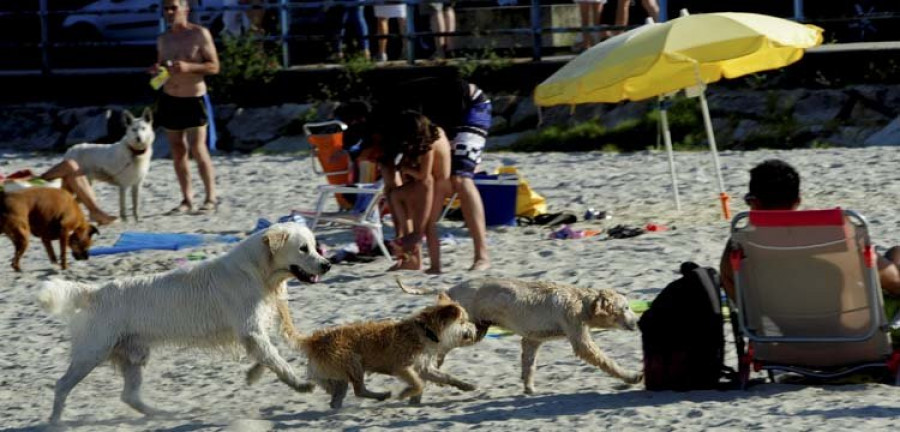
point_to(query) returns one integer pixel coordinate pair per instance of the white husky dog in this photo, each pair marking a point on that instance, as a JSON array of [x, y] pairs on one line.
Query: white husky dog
[[125, 163], [224, 302]]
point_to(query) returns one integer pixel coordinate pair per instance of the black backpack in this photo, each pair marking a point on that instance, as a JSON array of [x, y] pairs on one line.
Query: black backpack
[[683, 334]]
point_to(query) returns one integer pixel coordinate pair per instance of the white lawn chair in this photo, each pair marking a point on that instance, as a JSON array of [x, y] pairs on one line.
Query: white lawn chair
[[363, 214]]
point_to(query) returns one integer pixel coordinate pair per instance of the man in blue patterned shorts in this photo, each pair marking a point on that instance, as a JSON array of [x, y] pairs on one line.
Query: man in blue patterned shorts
[[464, 112]]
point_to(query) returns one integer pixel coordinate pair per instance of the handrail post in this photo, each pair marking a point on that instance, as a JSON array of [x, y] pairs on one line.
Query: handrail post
[[798, 10], [162, 18], [536, 30], [410, 31], [45, 40], [285, 45]]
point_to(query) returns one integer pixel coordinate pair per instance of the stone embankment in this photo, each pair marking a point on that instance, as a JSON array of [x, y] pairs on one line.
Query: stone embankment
[[865, 115]]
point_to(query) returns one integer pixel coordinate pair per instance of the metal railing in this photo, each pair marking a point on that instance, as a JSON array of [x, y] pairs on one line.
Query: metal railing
[[284, 37]]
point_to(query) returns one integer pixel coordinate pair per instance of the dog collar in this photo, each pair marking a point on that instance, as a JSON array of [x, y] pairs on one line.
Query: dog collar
[[429, 334]]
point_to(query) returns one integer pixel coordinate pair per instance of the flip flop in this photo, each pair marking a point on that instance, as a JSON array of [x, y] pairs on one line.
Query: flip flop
[[208, 207], [182, 208]]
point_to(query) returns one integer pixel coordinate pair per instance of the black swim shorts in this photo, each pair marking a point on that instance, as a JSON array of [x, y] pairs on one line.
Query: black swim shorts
[[180, 113]]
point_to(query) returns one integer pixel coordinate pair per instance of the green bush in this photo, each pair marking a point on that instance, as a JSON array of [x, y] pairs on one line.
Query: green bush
[[245, 65], [628, 136]]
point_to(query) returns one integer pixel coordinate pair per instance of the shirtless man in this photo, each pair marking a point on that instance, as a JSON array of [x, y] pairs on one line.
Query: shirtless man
[[188, 52], [775, 185], [420, 183]]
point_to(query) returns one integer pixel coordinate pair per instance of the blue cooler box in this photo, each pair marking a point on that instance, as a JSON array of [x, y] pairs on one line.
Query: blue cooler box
[[498, 192]]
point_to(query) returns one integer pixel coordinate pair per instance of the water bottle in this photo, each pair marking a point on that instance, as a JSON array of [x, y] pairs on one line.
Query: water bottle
[[160, 78]]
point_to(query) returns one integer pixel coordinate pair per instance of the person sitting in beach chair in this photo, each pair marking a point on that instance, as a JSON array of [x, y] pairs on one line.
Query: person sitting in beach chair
[[807, 286], [416, 168], [775, 185]]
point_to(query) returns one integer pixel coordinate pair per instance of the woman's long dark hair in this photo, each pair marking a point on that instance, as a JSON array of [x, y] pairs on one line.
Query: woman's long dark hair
[[411, 134]]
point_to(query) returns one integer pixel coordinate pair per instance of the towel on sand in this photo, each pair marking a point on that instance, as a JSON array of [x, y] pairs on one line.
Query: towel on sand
[[135, 241]]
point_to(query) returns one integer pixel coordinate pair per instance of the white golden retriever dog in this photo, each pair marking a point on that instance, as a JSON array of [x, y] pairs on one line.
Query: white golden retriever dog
[[225, 302], [123, 164]]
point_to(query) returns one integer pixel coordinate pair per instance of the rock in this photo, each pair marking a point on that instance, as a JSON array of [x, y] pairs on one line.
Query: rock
[[864, 115], [557, 115], [501, 142], [46, 140], [325, 110], [28, 129], [70, 117], [161, 145], [588, 112], [525, 115], [745, 129], [91, 130], [285, 144], [623, 112], [223, 114], [498, 124], [819, 107], [503, 105], [745, 104], [887, 136], [252, 127], [851, 136]]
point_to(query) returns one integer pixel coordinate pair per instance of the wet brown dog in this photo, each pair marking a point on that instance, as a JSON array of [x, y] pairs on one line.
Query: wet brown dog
[[50, 214], [406, 349], [541, 311]]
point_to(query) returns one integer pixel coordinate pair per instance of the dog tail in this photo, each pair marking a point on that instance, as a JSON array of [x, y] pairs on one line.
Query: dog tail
[[59, 297], [410, 290]]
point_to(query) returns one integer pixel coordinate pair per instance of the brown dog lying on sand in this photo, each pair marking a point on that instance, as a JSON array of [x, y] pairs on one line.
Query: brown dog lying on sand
[[50, 214], [406, 349], [542, 311]]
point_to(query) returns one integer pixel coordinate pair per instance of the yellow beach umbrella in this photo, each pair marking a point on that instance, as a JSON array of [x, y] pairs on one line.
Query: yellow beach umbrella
[[687, 52]]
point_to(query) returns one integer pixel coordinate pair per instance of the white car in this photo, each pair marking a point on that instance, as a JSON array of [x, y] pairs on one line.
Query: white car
[[130, 26]]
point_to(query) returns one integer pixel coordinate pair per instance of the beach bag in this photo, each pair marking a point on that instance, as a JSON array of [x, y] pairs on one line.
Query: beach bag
[[682, 334], [528, 202]]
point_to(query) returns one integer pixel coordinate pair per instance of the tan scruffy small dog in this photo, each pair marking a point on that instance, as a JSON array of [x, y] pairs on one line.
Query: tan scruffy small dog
[[406, 349]]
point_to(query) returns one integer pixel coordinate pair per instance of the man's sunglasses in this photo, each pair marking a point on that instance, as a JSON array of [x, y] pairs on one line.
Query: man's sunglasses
[[749, 198]]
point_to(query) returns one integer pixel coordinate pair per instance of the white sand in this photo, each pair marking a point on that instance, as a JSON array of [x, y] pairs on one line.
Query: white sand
[[205, 391]]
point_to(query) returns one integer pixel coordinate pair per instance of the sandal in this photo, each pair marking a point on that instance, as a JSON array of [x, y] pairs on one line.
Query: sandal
[[209, 207], [184, 207]]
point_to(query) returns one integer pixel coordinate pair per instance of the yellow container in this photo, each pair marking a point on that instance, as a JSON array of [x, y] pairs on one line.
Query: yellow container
[[159, 79]]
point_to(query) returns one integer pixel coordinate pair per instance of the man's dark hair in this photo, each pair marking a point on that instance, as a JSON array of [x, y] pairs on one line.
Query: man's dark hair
[[775, 185], [353, 110]]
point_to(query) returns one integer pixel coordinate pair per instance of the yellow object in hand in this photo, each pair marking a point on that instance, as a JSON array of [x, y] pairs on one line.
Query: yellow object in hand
[[159, 79]]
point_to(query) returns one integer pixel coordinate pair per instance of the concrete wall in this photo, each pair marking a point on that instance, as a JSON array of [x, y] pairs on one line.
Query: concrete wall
[[511, 17]]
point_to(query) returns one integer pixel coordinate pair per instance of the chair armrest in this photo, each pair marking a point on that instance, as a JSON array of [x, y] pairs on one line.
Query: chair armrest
[[308, 127], [350, 189]]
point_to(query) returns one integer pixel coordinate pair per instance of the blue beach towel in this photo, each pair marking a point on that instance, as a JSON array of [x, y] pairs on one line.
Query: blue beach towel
[[135, 241], [211, 135]]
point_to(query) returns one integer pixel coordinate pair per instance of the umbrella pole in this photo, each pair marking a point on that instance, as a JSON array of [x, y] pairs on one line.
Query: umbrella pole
[[707, 122], [667, 139]]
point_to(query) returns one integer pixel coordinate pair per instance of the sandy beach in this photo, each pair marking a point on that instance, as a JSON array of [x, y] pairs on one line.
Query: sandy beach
[[205, 390]]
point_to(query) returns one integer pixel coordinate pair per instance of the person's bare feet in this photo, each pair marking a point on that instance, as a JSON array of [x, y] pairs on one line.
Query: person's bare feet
[[434, 271], [410, 264], [102, 218], [398, 264], [480, 265]]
